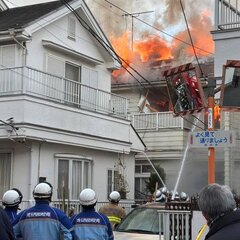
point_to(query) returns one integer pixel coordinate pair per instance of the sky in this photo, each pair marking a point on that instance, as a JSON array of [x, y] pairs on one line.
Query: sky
[[156, 30], [163, 14]]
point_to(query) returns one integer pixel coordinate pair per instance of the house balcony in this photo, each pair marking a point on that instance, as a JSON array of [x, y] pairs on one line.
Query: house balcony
[[32, 82], [160, 120], [227, 14]]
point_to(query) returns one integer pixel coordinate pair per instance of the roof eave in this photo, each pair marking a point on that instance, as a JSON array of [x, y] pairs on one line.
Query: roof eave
[[11, 34]]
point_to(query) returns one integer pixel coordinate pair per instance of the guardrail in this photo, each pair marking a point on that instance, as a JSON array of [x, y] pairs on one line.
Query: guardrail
[[160, 120], [26, 80]]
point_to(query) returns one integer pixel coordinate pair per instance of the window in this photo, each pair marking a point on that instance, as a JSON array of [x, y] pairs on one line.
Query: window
[[146, 168], [111, 181], [72, 72], [140, 187], [72, 88], [137, 168], [141, 168], [71, 28], [5, 172], [74, 174], [80, 88]]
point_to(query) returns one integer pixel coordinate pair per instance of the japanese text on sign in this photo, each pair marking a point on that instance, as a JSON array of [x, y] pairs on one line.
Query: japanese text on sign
[[212, 139]]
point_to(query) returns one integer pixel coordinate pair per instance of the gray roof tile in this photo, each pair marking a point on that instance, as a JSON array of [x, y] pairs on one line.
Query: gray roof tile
[[20, 17]]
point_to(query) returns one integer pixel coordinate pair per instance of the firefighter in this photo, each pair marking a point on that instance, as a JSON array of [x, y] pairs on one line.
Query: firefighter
[[6, 229], [90, 224], [11, 200], [42, 221], [112, 210]]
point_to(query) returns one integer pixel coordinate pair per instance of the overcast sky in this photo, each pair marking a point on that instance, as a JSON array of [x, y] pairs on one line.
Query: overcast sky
[[163, 18]]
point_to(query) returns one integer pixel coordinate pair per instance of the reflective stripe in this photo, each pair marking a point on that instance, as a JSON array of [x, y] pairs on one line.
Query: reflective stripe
[[114, 219]]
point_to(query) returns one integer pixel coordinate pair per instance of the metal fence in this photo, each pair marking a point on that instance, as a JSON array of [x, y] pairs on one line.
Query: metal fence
[[26, 80], [160, 120], [227, 14], [175, 224], [73, 207]]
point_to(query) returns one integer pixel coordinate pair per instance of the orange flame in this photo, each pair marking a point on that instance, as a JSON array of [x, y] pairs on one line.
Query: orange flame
[[153, 48]]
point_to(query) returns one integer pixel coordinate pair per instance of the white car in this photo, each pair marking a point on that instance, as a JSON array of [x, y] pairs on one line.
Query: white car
[[141, 223]]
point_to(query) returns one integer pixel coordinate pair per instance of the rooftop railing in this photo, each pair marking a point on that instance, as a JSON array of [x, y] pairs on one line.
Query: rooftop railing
[[30, 81], [227, 14]]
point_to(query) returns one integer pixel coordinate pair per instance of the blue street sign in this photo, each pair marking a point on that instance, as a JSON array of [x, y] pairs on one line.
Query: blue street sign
[[212, 139]]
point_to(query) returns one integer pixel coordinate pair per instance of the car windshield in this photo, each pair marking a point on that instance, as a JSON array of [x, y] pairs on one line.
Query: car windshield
[[140, 220]]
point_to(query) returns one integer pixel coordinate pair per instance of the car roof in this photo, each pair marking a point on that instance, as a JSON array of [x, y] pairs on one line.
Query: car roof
[[156, 205]]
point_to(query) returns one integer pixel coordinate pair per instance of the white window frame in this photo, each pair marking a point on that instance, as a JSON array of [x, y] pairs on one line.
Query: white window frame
[[113, 181], [76, 66], [11, 166], [71, 159]]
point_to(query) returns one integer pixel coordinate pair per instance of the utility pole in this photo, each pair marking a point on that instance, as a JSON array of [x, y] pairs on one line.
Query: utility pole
[[134, 15], [211, 127]]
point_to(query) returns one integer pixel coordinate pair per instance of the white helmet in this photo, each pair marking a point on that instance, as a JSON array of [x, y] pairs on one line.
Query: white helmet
[[160, 197], [164, 190], [114, 196], [87, 197], [43, 191], [12, 198], [184, 196]]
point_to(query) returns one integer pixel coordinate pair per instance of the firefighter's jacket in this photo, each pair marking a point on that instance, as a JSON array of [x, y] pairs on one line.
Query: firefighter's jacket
[[42, 222], [11, 212], [114, 212], [6, 230], [90, 224]]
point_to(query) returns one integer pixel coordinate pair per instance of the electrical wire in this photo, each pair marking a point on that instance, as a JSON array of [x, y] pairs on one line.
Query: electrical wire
[[190, 37], [11, 125], [169, 35], [107, 46]]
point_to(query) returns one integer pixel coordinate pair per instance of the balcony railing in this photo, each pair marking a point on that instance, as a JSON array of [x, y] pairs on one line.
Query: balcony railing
[[227, 14], [26, 80], [160, 120]]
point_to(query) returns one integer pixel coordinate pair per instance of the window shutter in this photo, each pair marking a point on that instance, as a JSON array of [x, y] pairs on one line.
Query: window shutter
[[90, 77], [7, 56], [55, 66]]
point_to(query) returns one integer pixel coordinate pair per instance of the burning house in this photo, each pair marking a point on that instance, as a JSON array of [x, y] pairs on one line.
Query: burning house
[[150, 109]]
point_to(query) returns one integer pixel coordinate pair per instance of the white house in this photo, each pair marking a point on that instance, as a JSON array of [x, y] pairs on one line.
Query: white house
[[226, 36], [59, 120], [165, 136]]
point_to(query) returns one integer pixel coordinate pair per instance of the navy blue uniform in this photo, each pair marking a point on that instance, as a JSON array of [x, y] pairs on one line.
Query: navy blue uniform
[[91, 225], [11, 212], [6, 230], [42, 222]]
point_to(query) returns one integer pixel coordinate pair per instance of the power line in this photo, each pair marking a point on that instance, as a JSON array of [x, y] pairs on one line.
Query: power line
[[169, 35], [107, 46], [103, 43], [190, 36]]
